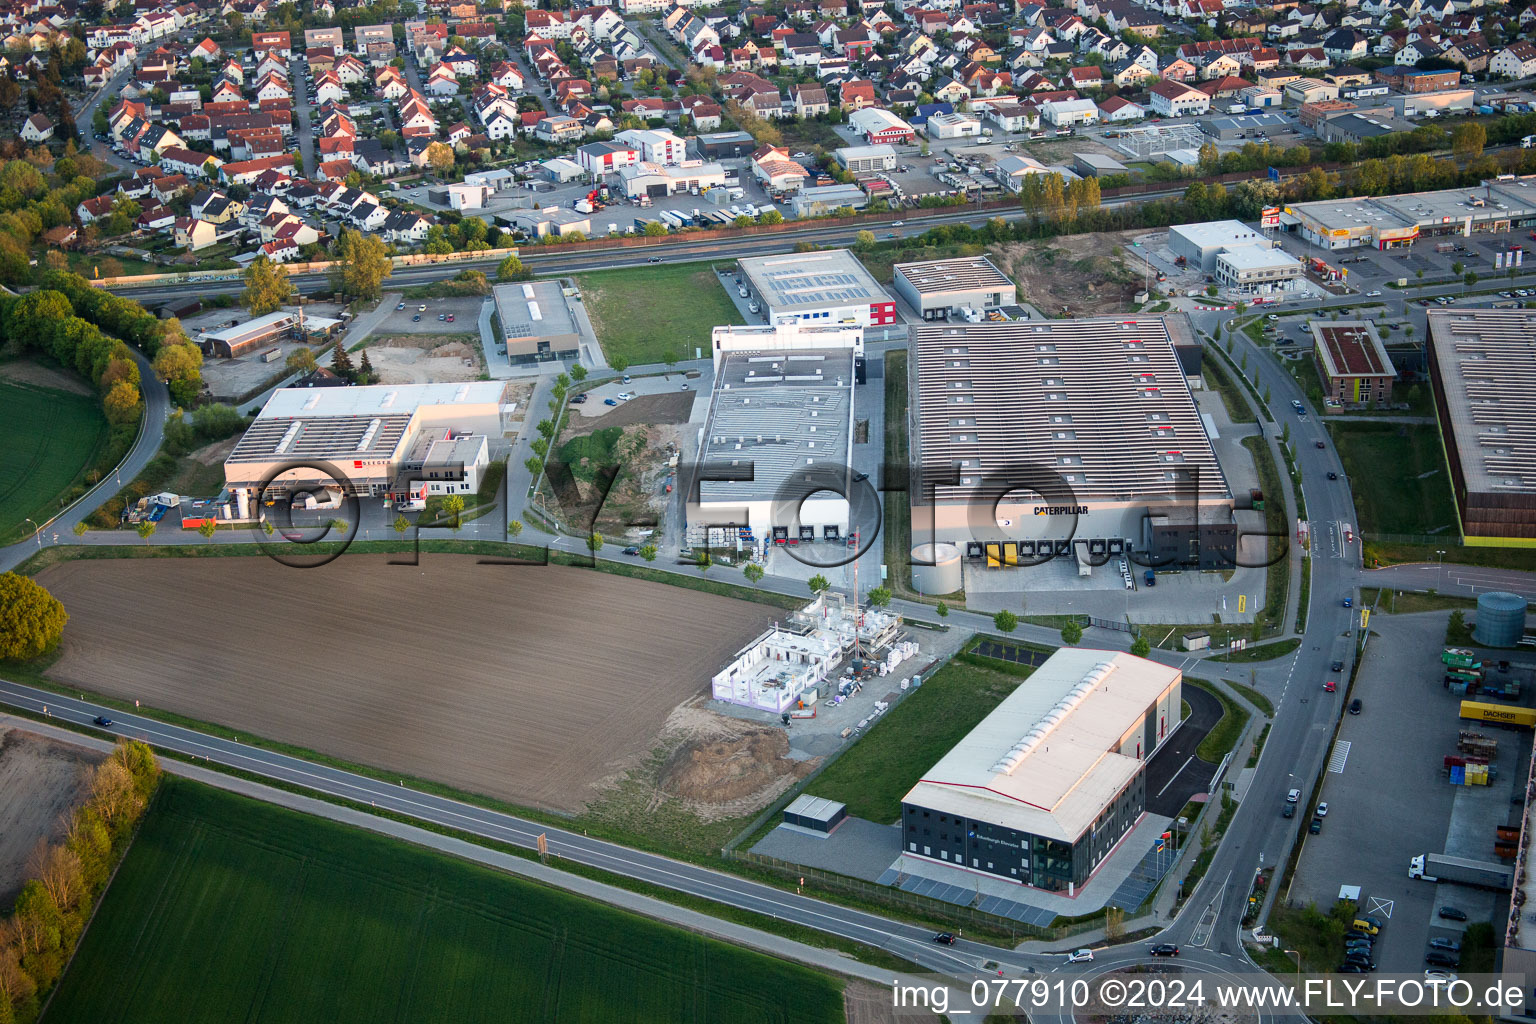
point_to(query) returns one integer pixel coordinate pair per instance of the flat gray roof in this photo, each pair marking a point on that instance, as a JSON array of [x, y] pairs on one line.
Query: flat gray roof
[[778, 411], [1102, 402], [1209, 233], [533, 309], [812, 280], [1486, 360], [963, 274]]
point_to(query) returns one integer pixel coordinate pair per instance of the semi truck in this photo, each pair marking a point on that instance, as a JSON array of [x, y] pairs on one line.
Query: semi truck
[[1438, 867]]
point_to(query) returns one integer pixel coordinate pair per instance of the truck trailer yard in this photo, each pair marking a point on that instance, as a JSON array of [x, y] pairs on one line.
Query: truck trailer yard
[[492, 679]]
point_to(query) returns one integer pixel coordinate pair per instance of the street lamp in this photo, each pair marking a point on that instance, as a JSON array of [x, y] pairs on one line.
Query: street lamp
[[37, 531], [1297, 955], [1440, 558]]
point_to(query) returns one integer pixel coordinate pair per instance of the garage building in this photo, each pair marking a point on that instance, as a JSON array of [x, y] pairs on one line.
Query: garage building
[[940, 289], [1028, 444], [536, 322], [396, 441], [865, 159], [657, 180], [1047, 785], [780, 423], [1483, 365], [1352, 362], [830, 287]]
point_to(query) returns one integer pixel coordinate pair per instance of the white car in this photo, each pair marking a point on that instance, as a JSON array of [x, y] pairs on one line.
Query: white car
[[1436, 974], [1322, 810], [1080, 956], [625, 396], [1373, 294]]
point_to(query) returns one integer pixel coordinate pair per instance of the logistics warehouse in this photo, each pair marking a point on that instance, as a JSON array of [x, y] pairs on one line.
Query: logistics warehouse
[[1045, 787], [1032, 440]]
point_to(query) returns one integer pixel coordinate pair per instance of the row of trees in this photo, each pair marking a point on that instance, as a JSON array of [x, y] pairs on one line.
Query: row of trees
[[51, 912], [44, 323]]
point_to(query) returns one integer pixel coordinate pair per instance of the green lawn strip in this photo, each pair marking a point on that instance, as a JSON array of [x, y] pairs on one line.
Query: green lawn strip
[[1226, 732], [1406, 500], [50, 441], [897, 511], [1258, 746], [1407, 602], [224, 904], [873, 776], [1277, 576], [1219, 381], [1380, 553], [1253, 697], [651, 314], [1264, 652], [1317, 936], [1302, 604]]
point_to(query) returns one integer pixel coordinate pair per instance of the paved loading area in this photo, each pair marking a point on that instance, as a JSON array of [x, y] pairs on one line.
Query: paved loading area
[[1175, 775], [1389, 800]]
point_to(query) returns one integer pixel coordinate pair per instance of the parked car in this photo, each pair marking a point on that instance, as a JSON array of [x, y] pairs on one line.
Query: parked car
[[1316, 826], [1440, 958], [609, 401], [1322, 810], [1287, 810], [579, 399], [625, 396], [442, 316], [421, 308], [626, 379], [416, 319], [1294, 796], [1353, 968], [1355, 706], [1439, 974], [1451, 914], [1164, 949], [1080, 956], [399, 307], [685, 387], [450, 318]]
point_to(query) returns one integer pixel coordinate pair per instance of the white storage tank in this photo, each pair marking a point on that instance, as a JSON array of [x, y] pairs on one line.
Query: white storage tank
[[936, 569]]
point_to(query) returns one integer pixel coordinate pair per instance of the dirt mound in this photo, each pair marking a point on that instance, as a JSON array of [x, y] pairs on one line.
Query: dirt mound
[[453, 350], [727, 769], [1074, 274]]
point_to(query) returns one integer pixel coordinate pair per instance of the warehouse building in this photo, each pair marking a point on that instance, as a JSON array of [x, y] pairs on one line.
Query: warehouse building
[[774, 450], [1201, 243], [536, 322], [1045, 787], [1483, 365], [658, 180], [1257, 270], [1027, 445], [830, 287], [1393, 222], [821, 200], [941, 289], [1351, 361], [244, 338], [401, 442]]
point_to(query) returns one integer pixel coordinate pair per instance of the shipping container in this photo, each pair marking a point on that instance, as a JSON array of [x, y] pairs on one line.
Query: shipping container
[[1477, 711]]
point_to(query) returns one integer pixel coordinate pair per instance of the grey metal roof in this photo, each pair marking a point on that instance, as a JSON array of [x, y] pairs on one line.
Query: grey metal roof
[[967, 273], [810, 280], [1486, 359], [779, 412]]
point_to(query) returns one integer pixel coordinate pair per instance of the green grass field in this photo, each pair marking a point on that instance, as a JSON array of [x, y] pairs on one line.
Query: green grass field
[[226, 909], [47, 439], [646, 315], [879, 769], [1399, 476]]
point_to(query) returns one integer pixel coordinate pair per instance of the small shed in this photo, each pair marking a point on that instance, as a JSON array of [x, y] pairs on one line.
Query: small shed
[[1197, 640], [814, 814]]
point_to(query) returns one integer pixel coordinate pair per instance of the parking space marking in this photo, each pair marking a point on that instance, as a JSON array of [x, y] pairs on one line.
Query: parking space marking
[[1339, 757], [1381, 906]]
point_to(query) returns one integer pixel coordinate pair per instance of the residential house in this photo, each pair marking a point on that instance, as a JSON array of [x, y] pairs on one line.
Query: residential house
[[1175, 99]]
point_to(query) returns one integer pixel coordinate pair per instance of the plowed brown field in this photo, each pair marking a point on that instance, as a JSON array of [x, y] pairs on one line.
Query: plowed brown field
[[531, 684]]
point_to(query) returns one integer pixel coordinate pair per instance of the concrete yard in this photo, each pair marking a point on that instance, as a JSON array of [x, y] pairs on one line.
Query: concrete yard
[[531, 684]]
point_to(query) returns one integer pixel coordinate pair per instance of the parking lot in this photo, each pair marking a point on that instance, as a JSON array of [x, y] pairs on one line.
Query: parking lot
[[1389, 800], [430, 316]]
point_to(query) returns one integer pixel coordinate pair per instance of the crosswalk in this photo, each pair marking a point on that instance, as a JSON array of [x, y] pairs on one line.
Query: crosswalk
[[1339, 756]]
